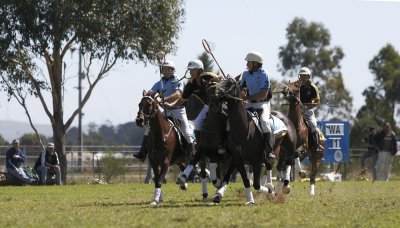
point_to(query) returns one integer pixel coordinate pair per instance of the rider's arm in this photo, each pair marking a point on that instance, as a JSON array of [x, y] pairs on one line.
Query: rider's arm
[[258, 96], [173, 97]]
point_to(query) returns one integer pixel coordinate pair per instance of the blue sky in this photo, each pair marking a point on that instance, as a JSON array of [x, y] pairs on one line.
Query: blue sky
[[360, 28]]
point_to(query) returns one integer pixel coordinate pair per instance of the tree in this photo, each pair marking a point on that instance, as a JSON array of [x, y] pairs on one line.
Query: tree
[[381, 98], [105, 32], [3, 141], [308, 45]]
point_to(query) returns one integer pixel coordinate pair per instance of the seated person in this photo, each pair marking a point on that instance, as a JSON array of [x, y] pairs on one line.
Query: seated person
[[14, 159], [48, 163]]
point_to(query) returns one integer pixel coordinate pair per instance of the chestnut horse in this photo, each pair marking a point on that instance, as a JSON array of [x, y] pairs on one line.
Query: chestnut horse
[[292, 93], [163, 145], [245, 140]]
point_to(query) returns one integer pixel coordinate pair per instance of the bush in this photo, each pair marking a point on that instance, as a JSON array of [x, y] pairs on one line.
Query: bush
[[112, 166]]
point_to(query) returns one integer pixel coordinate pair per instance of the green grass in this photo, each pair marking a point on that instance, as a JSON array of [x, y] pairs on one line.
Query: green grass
[[344, 204]]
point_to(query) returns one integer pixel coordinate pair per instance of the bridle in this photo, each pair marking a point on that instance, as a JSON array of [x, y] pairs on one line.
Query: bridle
[[147, 117], [227, 93]]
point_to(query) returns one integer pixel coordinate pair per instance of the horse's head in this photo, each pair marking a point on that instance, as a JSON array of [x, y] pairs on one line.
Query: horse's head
[[290, 91], [147, 109], [222, 91]]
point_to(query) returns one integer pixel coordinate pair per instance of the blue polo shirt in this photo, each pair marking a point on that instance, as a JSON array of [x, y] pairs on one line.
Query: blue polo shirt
[[170, 86], [255, 82]]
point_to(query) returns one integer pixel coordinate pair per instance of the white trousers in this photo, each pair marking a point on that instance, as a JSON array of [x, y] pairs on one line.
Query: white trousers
[[199, 121], [264, 118], [310, 114], [180, 114]]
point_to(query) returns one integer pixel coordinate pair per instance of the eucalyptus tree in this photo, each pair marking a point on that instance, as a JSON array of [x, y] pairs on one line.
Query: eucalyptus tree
[[309, 45], [104, 32]]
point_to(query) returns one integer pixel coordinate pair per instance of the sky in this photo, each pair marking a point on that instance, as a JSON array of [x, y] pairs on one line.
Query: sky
[[360, 28]]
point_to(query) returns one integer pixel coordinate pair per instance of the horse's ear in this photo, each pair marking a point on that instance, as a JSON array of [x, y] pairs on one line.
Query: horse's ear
[[144, 93]]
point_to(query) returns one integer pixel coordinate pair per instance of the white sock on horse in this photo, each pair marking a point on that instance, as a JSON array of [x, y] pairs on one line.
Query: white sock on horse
[[222, 190], [287, 172], [157, 193], [312, 189], [213, 171], [297, 165], [204, 182], [187, 171], [269, 176], [249, 196], [263, 180]]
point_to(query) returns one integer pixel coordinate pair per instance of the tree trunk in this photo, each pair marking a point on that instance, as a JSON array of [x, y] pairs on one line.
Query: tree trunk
[[59, 142]]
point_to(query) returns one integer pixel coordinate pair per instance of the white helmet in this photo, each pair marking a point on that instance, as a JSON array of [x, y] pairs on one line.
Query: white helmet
[[254, 56], [195, 64], [169, 63], [305, 71]]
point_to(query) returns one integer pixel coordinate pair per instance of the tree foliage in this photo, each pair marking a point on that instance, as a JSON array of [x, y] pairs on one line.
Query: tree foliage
[[34, 31], [380, 99], [309, 45]]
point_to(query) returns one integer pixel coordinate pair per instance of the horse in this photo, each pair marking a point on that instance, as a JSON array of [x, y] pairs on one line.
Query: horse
[[291, 92], [245, 140], [163, 144]]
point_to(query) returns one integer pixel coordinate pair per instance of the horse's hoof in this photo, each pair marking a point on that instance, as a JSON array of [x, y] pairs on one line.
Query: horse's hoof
[[217, 199], [270, 187], [154, 203], [302, 174], [286, 189], [250, 203], [184, 186]]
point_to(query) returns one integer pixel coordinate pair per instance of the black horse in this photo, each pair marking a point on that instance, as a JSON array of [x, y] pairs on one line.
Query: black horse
[[247, 142]]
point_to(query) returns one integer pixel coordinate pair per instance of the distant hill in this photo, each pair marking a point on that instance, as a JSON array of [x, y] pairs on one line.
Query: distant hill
[[14, 129]]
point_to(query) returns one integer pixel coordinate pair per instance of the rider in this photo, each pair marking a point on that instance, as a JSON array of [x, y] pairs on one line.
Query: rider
[[171, 88], [309, 96], [258, 84], [197, 87]]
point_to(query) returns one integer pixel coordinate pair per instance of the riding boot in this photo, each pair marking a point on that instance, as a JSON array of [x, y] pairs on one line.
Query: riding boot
[[141, 155], [315, 141], [189, 150], [269, 145]]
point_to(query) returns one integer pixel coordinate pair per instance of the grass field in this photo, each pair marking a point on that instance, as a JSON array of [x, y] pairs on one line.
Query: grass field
[[343, 204]]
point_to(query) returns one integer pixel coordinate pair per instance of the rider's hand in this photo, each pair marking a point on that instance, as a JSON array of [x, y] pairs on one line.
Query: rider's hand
[[167, 105]]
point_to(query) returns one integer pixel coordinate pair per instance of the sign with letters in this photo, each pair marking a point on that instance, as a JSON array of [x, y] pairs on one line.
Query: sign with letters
[[337, 134]]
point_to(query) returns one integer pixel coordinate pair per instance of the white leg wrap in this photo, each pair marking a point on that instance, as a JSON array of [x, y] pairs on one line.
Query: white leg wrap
[[269, 176], [213, 171], [222, 190], [312, 189], [249, 196], [287, 172], [264, 189], [157, 193], [188, 170], [250, 177], [278, 187], [161, 195], [263, 180], [297, 165], [204, 185]]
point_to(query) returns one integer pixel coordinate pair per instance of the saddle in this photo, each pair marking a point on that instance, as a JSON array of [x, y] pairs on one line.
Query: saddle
[[278, 127]]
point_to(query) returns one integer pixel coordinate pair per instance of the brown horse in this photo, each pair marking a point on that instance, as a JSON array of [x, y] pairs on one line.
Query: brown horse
[[292, 93], [163, 144]]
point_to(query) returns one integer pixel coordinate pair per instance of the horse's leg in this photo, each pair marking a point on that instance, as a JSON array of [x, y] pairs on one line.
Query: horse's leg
[[157, 185], [221, 190], [246, 183], [204, 181], [315, 160], [249, 173], [286, 178], [297, 166], [266, 180]]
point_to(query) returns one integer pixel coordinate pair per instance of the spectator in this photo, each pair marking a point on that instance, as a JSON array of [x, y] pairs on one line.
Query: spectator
[[386, 142], [372, 153], [48, 163], [14, 159]]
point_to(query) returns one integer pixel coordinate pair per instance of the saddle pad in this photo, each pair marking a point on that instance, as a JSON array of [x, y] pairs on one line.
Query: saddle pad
[[277, 125]]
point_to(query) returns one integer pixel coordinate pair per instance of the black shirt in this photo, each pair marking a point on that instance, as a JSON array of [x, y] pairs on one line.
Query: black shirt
[[308, 93]]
